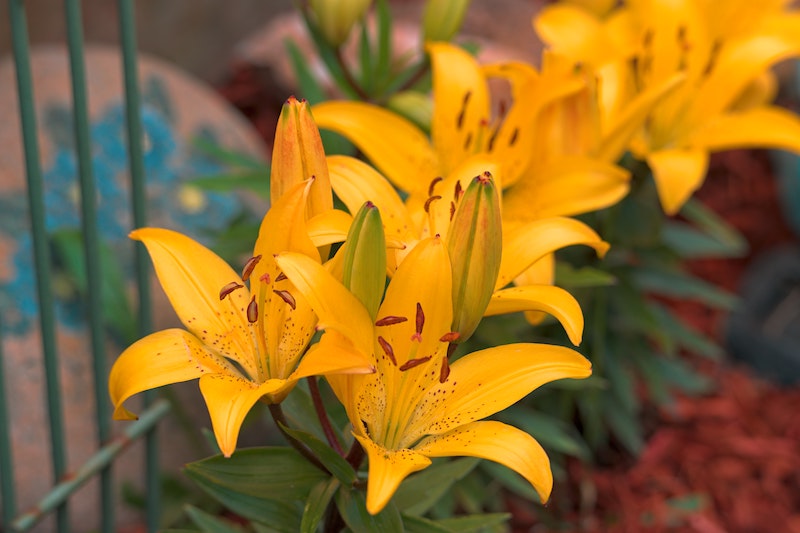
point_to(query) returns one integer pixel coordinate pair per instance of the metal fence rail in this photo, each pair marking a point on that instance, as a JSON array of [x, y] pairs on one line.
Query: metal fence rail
[[100, 464]]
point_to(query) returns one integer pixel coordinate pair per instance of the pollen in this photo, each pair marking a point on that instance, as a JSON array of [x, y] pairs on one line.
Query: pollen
[[249, 266], [287, 297], [451, 336], [229, 288]]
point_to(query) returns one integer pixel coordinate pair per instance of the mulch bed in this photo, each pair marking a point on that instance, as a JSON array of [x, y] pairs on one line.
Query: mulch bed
[[727, 462]]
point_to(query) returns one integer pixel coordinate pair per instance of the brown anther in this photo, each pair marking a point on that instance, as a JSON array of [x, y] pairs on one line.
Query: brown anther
[[280, 277], [514, 135], [411, 363], [252, 311], [459, 191], [492, 139], [390, 320], [249, 266], [451, 336], [287, 297], [432, 186], [420, 321], [429, 201], [229, 288], [460, 118], [387, 349], [452, 210], [468, 141], [444, 370]]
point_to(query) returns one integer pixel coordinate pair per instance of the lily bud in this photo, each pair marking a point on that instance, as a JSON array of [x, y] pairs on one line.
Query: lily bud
[[336, 18], [415, 106], [474, 242], [297, 155], [442, 19], [364, 262]]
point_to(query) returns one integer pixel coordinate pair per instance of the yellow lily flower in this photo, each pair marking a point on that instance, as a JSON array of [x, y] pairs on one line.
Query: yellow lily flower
[[417, 405], [244, 344], [724, 65]]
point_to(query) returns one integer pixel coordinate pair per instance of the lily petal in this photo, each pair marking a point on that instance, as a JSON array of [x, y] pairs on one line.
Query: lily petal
[[677, 173], [487, 381], [387, 469], [460, 105], [397, 147], [553, 300], [329, 227], [161, 358], [763, 127], [229, 399], [192, 276], [496, 442], [333, 354], [524, 245]]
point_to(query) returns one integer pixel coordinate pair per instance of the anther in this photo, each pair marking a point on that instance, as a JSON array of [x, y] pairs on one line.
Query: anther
[[390, 320], [287, 297], [451, 336], [468, 141], [460, 118], [514, 135], [280, 277], [411, 363], [387, 349], [432, 186], [252, 311], [249, 266], [229, 288], [444, 370], [452, 210], [420, 322], [429, 201], [459, 191]]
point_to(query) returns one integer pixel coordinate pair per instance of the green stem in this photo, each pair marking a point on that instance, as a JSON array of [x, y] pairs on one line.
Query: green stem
[[280, 420], [356, 455], [324, 421], [348, 77]]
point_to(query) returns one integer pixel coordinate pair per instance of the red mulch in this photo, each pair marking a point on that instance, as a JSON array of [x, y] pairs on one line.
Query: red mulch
[[728, 462]]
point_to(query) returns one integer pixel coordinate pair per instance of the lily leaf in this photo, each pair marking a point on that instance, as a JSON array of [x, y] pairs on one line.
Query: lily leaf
[[572, 278], [334, 462], [352, 505], [624, 425], [680, 285], [685, 336], [418, 524], [422, 490], [713, 237], [551, 432], [210, 523], [468, 524], [309, 87], [317, 503]]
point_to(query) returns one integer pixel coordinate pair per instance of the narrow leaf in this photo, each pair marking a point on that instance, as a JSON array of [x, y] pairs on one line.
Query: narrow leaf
[[352, 505], [422, 490], [317, 503], [309, 87], [334, 462], [209, 523]]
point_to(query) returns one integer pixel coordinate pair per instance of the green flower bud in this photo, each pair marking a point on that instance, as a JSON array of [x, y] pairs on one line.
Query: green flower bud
[[442, 19], [474, 242], [336, 18], [364, 261], [413, 105]]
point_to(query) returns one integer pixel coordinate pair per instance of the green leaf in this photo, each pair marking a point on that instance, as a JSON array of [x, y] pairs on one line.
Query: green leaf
[[317, 503], [209, 523], [328, 55], [680, 285], [682, 376], [624, 426], [384, 52], [621, 382], [634, 315], [418, 524], [256, 181], [551, 432], [267, 473], [366, 66], [721, 239], [352, 506], [686, 337], [420, 491], [298, 408], [474, 523], [572, 278], [334, 462], [228, 157], [510, 480], [309, 87]]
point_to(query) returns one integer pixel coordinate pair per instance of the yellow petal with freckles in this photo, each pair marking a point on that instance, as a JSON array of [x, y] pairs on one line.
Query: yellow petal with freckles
[[387, 469], [329, 227], [485, 382], [762, 127], [553, 300], [161, 358], [496, 442], [229, 399], [335, 306], [677, 173], [460, 104], [192, 276], [524, 245], [397, 147]]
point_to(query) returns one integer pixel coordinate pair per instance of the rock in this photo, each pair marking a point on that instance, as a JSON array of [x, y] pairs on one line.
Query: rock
[[176, 109]]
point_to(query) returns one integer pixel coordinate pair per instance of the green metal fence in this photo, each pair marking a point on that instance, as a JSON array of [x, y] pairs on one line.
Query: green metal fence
[[108, 447]]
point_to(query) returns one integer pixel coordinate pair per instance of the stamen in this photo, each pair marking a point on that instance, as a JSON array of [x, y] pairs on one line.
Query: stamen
[[444, 370], [460, 118], [287, 297], [452, 210], [514, 135], [459, 191], [451, 336], [280, 277], [249, 266], [390, 320], [467, 141], [432, 186], [229, 288], [429, 201], [252, 311], [411, 363], [420, 322], [387, 349]]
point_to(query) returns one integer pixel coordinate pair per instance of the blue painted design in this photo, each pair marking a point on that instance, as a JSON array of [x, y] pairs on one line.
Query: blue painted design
[[170, 164]]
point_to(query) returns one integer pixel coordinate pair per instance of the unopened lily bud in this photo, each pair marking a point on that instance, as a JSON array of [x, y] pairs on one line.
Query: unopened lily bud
[[442, 19], [413, 105], [336, 18], [364, 262], [298, 155], [474, 242]]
